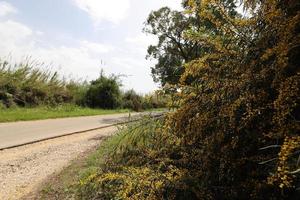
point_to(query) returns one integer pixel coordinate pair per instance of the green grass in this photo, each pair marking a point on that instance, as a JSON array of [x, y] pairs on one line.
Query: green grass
[[65, 184], [26, 114]]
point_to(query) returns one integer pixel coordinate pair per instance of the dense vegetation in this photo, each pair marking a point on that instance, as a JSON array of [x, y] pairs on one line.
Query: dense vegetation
[[104, 92], [236, 132], [28, 84], [25, 84]]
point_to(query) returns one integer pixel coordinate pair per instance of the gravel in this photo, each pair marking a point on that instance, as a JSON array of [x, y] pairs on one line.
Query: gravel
[[23, 169]]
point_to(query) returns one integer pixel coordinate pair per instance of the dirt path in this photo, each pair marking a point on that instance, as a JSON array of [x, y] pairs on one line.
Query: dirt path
[[22, 169]]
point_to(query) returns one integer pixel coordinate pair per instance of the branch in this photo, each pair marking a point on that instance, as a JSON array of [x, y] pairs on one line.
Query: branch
[[295, 172], [271, 146], [267, 161], [179, 46], [273, 159]]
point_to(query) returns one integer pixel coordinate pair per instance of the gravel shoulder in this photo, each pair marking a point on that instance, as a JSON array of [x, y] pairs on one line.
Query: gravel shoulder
[[24, 169]]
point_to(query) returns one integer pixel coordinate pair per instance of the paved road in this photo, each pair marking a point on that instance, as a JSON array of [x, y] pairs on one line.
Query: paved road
[[16, 133]]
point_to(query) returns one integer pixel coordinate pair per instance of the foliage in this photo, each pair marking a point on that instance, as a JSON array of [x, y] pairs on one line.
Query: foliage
[[243, 97], [104, 92], [235, 134], [27, 84], [31, 84], [124, 172], [78, 91], [173, 49], [157, 99], [131, 183], [132, 100]]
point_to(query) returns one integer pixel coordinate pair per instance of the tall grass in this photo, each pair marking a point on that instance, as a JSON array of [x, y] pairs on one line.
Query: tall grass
[[131, 164], [32, 83], [137, 135]]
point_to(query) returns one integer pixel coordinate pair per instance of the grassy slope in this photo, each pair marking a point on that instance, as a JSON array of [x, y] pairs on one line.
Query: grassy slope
[[25, 114], [64, 184]]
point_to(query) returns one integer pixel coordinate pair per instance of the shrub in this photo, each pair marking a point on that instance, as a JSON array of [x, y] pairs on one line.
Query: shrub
[[130, 183], [78, 91], [132, 100], [155, 100], [104, 92], [137, 102], [132, 165], [238, 120], [236, 132]]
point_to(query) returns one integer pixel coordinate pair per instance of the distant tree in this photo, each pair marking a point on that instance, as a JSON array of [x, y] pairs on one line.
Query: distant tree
[[104, 92], [78, 91], [132, 100], [172, 49]]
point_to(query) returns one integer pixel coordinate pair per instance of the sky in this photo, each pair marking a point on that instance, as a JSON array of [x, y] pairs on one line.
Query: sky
[[78, 38]]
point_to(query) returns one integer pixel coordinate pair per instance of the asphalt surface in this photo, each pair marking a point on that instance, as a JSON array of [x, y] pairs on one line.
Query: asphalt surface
[[18, 133]]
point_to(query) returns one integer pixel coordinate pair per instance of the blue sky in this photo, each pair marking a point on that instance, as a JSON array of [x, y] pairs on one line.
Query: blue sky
[[79, 37]]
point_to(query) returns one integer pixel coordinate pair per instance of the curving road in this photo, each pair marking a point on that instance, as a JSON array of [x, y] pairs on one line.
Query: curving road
[[18, 133]]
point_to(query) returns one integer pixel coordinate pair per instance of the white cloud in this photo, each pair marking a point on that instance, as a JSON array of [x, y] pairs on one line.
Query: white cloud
[[68, 60], [14, 30], [14, 36], [39, 33], [95, 48], [6, 9], [110, 10], [81, 60]]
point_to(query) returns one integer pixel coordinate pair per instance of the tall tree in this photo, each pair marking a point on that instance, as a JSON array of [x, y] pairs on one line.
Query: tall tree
[[172, 49]]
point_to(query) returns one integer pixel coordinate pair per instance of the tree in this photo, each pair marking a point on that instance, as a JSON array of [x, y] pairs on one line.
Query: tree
[[132, 100], [173, 49], [104, 92]]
